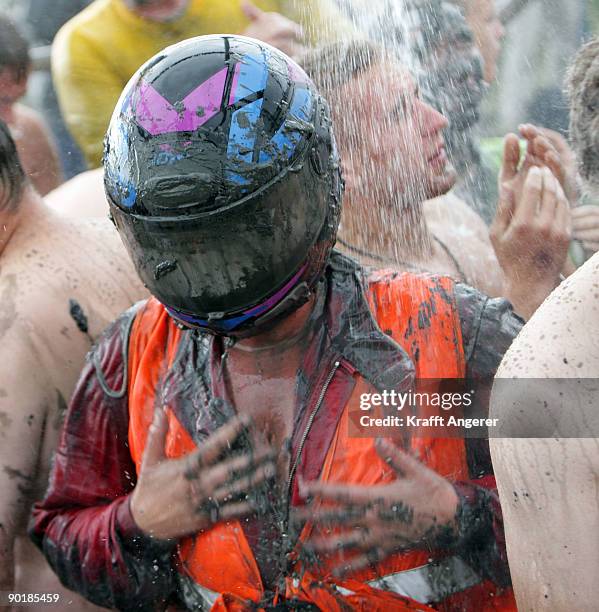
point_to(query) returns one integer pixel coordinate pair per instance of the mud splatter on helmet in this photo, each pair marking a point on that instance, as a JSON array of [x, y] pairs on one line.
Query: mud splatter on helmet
[[223, 180]]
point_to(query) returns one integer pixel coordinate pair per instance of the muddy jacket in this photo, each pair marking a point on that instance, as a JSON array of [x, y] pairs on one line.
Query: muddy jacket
[[423, 327]]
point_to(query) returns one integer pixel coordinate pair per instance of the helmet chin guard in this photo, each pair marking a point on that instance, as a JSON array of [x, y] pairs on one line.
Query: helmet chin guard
[[223, 180]]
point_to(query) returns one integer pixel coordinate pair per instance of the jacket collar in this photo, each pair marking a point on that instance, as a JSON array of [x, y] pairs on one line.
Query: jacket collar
[[354, 332]]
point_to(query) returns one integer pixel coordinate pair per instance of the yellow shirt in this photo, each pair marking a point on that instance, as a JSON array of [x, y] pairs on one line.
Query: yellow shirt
[[95, 54]]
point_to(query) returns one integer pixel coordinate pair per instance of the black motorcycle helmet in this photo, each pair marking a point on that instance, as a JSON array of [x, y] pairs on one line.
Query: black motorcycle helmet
[[223, 180]]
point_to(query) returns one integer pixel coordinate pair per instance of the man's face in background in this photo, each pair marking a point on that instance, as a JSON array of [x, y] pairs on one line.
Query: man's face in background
[[392, 141]]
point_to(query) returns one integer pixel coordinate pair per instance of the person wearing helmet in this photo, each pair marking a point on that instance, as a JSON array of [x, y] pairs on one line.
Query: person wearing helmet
[[214, 438]]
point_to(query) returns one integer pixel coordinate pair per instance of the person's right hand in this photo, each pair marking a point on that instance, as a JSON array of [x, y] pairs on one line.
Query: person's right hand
[[274, 29], [531, 235], [177, 497]]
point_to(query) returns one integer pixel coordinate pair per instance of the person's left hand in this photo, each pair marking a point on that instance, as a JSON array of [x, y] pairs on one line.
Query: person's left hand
[[413, 510], [274, 29]]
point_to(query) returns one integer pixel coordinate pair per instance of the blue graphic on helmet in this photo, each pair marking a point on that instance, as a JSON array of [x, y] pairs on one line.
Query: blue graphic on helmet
[[286, 139], [249, 77], [242, 138]]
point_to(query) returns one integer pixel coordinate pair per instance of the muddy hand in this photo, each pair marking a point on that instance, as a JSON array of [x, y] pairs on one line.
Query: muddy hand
[[178, 497], [380, 520], [274, 29]]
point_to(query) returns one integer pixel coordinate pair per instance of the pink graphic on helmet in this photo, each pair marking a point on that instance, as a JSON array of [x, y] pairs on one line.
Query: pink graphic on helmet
[[158, 116]]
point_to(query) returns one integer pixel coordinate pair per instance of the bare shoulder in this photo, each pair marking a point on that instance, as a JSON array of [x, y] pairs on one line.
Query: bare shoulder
[[80, 197], [104, 279], [463, 231], [561, 337], [545, 386], [112, 257], [61, 267], [36, 149], [34, 313]]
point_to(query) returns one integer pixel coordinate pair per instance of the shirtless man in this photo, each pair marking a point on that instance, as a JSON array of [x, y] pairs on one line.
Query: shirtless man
[[548, 486], [34, 143], [395, 160], [61, 282]]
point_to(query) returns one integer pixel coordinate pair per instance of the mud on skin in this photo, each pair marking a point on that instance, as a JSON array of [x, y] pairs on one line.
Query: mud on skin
[[61, 411], [78, 316], [25, 484]]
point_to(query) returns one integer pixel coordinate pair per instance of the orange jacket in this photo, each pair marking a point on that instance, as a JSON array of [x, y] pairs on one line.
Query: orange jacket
[[218, 568], [422, 327]]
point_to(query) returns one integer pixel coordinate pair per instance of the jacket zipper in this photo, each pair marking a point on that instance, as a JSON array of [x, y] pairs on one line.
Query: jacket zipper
[[294, 466], [298, 456]]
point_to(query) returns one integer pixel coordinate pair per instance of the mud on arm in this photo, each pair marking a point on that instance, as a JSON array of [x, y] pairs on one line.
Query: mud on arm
[[24, 404]]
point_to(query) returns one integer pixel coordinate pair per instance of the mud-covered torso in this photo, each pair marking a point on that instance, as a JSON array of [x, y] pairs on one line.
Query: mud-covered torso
[[61, 284], [182, 371]]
